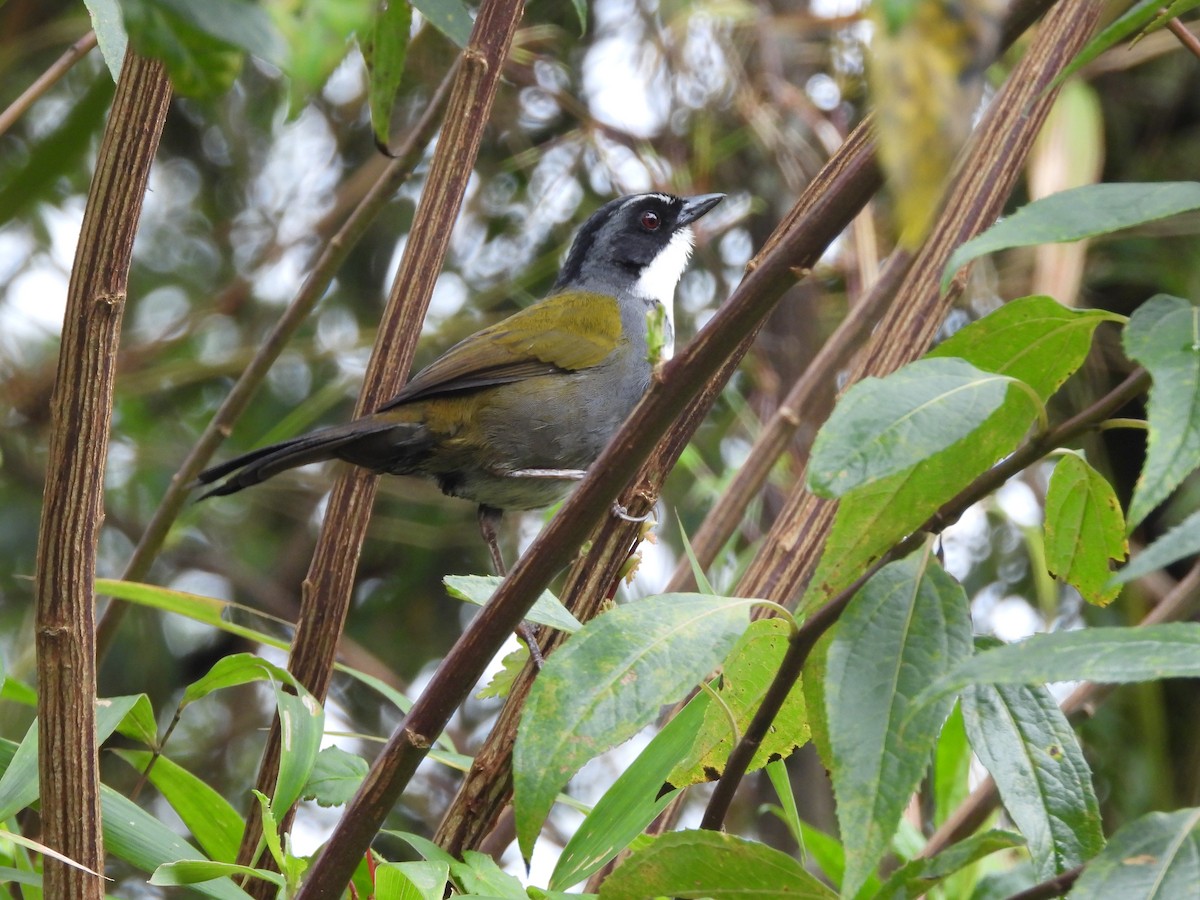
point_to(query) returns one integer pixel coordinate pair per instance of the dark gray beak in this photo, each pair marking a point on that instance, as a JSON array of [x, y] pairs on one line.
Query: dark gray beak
[[695, 207]]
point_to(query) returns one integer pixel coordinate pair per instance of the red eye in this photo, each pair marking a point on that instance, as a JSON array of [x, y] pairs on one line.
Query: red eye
[[650, 220]]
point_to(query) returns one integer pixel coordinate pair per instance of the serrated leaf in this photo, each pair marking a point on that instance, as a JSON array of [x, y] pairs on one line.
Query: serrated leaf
[[1151, 858], [632, 801], [745, 676], [694, 864], [919, 876], [1163, 334], [607, 683], [1182, 540], [884, 426], [908, 622], [211, 819], [1035, 339], [1084, 529], [1078, 213], [384, 54], [1106, 655], [546, 610], [872, 518], [1027, 745], [335, 777], [506, 676]]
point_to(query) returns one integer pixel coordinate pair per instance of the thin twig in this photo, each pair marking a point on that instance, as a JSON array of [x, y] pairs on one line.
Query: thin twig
[[1052, 887], [1185, 36], [46, 80]]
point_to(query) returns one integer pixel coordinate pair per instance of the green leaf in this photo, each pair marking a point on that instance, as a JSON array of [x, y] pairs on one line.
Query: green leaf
[[1026, 743], [884, 426], [919, 876], [607, 683], [411, 881], [745, 676], [1172, 10], [1131, 22], [1106, 655], [1084, 529], [511, 666], [211, 819], [1163, 334], [951, 767], [195, 871], [199, 63], [110, 33], [1079, 213], [384, 53], [478, 589], [478, 873], [231, 671], [135, 836], [302, 725], [632, 801], [908, 623], [19, 783], [238, 23], [335, 777], [317, 34], [1154, 857], [139, 723], [687, 864], [450, 17], [1182, 540], [1035, 339]]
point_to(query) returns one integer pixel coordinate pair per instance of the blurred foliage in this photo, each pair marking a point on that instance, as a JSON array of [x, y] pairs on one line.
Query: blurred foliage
[[744, 97]]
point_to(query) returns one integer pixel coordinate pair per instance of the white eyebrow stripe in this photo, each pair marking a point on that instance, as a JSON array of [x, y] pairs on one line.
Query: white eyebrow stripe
[[636, 198]]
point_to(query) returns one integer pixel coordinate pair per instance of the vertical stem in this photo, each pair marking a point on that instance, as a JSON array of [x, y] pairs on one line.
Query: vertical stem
[[73, 509]]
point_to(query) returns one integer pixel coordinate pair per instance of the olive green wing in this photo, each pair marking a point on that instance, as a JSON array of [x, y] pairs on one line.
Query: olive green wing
[[564, 333]]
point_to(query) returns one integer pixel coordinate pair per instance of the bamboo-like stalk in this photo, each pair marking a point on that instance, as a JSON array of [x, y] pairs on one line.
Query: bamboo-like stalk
[[326, 592], [73, 507]]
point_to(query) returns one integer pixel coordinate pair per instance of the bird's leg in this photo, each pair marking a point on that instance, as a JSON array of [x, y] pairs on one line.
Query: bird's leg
[[489, 520]]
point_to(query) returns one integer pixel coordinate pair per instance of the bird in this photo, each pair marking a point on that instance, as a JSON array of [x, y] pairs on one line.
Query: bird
[[511, 417]]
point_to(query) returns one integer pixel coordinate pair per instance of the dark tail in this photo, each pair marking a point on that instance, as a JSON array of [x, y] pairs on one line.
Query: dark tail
[[258, 465]]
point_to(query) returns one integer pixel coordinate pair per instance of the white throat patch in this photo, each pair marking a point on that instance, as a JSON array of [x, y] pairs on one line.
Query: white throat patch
[[659, 279]]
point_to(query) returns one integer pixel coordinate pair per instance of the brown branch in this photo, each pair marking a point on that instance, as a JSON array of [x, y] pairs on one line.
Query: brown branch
[[986, 176], [46, 80], [327, 589], [335, 251], [1185, 37], [81, 413], [1051, 887]]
